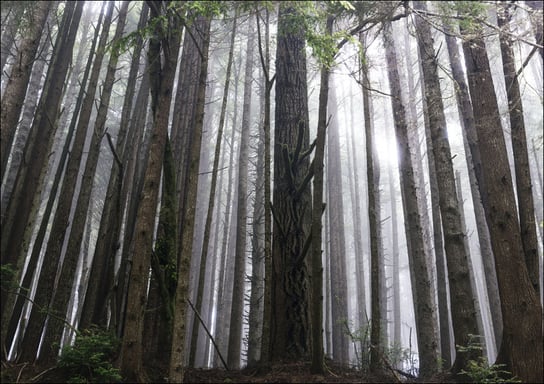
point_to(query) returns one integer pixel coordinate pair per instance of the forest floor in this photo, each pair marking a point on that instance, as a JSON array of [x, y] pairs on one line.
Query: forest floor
[[299, 372], [278, 373]]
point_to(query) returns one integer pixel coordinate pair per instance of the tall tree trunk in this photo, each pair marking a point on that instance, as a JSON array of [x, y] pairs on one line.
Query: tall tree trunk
[[521, 348], [426, 321], [34, 259], [438, 242], [397, 340], [161, 74], [462, 298], [290, 328], [223, 307], [374, 219], [236, 314], [340, 343], [202, 25], [519, 148], [134, 167], [20, 214], [481, 340], [22, 211], [14, 94], [317, 226], [101, 269], [73, 249], [213, 197], [267, 300], [474, 165]]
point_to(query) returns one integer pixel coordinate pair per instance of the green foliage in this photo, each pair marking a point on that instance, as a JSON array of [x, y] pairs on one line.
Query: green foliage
[[89, 359], [470, 11], [480, 371]]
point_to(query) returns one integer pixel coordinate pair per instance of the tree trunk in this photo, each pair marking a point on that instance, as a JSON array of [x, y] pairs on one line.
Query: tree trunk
[[521, 348], [317, 226], [236, 314], [374, 219], [22, 210], [289, 320], [161, 74], [474, 165], [426, 322], [340, 343], [44, 225], [462, 298], [202, 25], [520, 149], [73, 248], [14, 94], [213, 197], [101, 269]]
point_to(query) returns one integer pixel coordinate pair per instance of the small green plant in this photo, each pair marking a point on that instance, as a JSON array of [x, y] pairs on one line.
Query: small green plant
[[89, 359], [479, 370]]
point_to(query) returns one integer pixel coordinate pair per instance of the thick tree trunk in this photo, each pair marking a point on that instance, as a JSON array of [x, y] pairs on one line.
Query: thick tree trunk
[[474, 165], [14, 94], [290, 328], [520, 150], [426, 321], [462, 298], [521, 348]]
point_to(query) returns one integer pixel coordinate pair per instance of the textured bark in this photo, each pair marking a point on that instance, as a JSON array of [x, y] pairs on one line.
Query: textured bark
[[161, 79], [521, 348], [463, 312], [438, 242], [474, 164], [520, 150], [481, 334], [256, 299], [290, 328], [426, 322], [22, 212], [202, 27], [14, 93]]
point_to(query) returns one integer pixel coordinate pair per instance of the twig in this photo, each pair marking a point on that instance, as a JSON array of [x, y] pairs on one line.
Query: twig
[[209, 334]]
